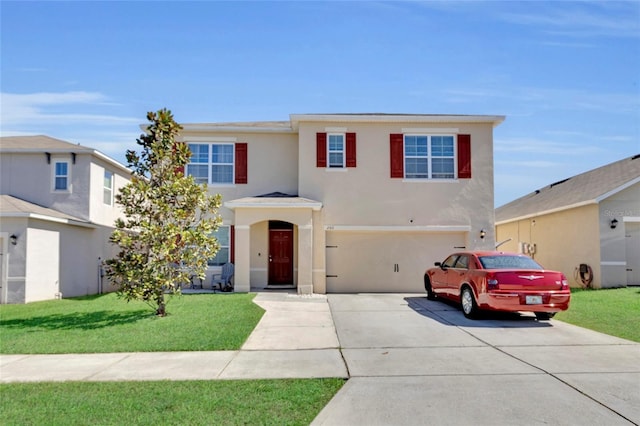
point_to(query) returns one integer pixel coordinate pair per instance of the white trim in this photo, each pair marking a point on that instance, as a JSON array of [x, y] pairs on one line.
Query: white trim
[[618, 189], [542, 213], [54, 162], [430, 130], [305, 227], [398, 228], [49, 219], [432, 180], [322, 271], [316, 206], [612, 263], [395, 118], [212, 127], [631, 219], [335, 130], [211, 139], [242, 227], [258, 269], [4, 268]]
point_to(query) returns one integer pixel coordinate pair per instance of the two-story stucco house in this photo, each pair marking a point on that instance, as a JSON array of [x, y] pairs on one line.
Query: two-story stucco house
[[57, 212], [346, 202]]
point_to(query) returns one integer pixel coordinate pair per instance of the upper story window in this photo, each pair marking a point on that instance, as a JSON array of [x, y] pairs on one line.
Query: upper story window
[[61, 175], [430, 157], [335, 150], [218, 163], [107, 191], [335, 147]]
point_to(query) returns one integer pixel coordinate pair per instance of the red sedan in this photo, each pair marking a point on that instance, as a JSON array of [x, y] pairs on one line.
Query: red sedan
[[498, 281]]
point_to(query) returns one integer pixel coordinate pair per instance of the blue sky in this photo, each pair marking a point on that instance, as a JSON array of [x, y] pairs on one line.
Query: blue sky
[[565, 74]]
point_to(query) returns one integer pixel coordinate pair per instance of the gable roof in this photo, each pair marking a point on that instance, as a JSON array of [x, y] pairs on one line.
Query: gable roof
[[43, 143], [587, 188], [15, 207]]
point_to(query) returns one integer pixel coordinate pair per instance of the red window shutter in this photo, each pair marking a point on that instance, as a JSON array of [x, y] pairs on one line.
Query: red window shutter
[[241, 162], [464, 156], [351, 149], [396, 141], [321, 150], [232, 245]]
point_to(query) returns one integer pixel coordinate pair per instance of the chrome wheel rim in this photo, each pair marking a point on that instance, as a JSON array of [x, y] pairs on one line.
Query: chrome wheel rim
[[467, 301]]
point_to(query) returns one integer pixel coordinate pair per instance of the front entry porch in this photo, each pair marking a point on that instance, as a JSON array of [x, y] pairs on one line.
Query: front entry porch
[[278, 244]]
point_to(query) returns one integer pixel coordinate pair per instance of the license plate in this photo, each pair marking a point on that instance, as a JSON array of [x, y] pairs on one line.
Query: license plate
[[533, 300]]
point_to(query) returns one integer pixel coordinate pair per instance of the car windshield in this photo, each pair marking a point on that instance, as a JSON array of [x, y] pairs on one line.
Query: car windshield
[[509, 262]]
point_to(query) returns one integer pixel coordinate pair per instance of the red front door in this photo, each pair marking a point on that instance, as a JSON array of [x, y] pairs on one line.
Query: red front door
[[281, 256]]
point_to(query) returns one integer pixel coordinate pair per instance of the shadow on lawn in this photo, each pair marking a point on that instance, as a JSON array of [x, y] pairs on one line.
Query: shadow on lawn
[[78, 321]]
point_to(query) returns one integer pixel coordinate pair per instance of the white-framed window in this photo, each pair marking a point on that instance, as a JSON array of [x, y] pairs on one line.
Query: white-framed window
[[211, 163], [335, 150], [107, 191], [61, 176], [223, 235], [429, 156]]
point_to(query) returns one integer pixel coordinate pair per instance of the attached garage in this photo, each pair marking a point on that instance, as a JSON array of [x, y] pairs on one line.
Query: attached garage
[[387, 261]]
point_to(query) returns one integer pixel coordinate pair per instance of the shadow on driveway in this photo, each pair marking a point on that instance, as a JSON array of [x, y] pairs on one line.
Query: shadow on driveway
[[450, 313]]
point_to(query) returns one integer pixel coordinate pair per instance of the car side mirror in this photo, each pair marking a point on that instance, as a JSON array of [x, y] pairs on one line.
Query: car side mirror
[[440, 265]]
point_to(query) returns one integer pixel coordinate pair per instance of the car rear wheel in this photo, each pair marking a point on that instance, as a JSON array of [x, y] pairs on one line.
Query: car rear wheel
[[468, 302], [543, 316], [427, 286]]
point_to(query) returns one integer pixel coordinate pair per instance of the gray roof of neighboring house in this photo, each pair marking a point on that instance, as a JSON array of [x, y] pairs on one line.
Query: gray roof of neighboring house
[[11, 206], [43, 143], [589, 187]]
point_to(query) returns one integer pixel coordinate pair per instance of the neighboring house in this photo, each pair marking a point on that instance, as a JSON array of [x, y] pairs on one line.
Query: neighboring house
[[587, 226], [57, 212], [346, 202]]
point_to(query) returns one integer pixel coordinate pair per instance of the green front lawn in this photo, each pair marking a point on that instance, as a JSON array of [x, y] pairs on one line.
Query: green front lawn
[[254, 402], [611, 311], [104, 323]]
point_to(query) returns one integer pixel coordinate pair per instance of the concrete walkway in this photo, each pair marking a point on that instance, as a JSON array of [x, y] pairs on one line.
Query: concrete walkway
[[410, 361], [295, 338]]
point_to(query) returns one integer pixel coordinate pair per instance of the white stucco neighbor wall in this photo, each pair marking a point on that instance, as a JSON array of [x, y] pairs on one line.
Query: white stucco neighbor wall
[[620, 246], [42, 265]]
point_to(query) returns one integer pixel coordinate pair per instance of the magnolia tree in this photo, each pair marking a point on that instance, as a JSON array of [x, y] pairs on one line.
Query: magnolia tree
[[166, 236]]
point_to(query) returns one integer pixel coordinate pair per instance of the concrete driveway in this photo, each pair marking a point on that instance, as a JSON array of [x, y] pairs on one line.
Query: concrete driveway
[[413, 361]]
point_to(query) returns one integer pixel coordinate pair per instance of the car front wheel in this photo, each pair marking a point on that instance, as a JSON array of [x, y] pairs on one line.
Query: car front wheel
[[427, 286], [468, 302]]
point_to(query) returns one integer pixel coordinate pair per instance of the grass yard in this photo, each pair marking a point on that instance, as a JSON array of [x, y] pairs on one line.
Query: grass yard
[[612, 311], [263, 402], [104, 323]]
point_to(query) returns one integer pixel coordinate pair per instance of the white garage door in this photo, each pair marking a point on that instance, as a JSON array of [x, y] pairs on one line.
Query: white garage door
[[384, 262]]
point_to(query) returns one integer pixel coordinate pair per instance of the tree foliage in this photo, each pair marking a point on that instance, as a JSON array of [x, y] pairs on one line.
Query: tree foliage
[[166, 235]]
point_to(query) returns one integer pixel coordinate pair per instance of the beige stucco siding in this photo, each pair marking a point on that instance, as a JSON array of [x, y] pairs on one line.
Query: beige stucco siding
[[366, 195], [272, 164], [563, 240], [384, 261]]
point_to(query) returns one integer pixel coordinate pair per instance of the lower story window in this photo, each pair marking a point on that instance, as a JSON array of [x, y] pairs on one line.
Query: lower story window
[[224, 240]]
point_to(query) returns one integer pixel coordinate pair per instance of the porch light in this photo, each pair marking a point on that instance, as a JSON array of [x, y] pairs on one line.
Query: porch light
[[614, 223], [483, 234], [13, 238]]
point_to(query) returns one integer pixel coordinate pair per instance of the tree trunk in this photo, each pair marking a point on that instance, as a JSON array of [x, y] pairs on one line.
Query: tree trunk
[[161, 311]]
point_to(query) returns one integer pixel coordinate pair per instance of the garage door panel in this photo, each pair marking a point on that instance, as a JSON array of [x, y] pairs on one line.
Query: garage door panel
[[384, 262]]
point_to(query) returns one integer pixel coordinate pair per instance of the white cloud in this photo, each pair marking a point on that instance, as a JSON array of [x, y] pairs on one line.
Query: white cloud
[[25, 109], [541, 146]]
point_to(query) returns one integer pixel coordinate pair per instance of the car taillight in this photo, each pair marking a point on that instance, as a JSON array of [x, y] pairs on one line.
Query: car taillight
[[492, 282], [565, 283]]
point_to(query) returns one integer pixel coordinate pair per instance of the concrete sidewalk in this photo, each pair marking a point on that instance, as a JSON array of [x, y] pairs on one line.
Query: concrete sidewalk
[[295, 338]]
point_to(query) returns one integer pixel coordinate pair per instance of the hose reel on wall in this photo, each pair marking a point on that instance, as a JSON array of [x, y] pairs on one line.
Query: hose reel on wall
[[583, 275]]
